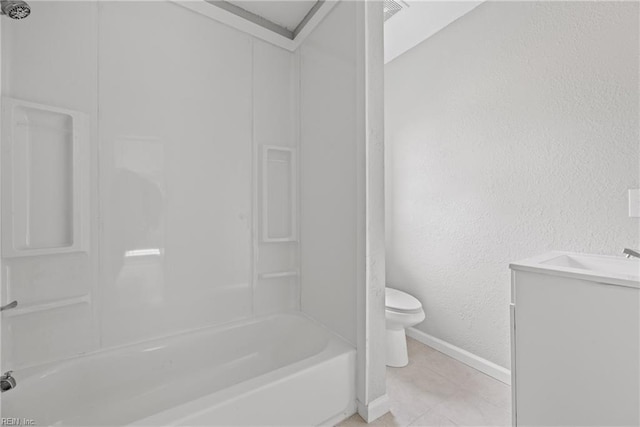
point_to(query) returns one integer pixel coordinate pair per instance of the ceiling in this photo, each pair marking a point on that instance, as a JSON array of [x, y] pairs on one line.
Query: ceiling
[[286, 23], [283, 23], [286, 14], [419, 21]]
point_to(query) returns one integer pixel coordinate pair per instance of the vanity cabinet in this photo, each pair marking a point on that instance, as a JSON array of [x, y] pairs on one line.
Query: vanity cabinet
[[575, 340]]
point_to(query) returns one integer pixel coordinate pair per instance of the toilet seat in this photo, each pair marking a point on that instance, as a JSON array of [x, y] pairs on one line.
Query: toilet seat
[[401, 302]]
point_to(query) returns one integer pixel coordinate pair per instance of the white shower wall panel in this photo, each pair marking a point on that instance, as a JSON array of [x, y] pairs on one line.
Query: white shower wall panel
[[329, 172], [51, 59], [185, 104], [175, 134], [275, 83]]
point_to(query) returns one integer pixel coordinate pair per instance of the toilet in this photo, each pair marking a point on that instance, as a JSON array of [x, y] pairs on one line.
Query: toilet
[[401, 311]]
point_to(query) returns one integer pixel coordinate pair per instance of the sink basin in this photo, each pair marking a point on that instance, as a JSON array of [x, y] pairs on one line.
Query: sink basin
[[615, 270], [599, 264]]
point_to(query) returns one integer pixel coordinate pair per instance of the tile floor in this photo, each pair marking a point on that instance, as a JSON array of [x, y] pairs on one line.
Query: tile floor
[[436, 390]]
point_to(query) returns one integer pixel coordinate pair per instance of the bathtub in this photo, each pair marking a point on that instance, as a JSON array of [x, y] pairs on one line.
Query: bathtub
[[275, 370]]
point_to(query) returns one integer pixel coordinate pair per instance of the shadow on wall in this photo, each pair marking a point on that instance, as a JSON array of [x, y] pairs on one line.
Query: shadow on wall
[[138, 248]]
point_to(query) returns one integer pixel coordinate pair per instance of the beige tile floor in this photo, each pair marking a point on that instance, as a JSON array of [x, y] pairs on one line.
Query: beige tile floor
[[436, 390]]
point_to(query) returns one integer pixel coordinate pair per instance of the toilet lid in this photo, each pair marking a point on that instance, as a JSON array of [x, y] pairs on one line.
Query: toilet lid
[[401, 301]]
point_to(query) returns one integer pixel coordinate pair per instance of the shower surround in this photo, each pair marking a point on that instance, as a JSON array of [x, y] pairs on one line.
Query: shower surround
[[174, 198]]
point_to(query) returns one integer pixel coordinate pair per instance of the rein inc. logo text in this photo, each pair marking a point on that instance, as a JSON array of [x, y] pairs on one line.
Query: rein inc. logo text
[[17, 422]]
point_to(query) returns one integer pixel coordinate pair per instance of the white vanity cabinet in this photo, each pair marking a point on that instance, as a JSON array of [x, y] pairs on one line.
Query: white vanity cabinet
[[575, 339]]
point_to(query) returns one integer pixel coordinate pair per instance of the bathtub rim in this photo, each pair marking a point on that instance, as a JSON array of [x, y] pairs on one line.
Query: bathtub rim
[[42, 370], [336, 348]]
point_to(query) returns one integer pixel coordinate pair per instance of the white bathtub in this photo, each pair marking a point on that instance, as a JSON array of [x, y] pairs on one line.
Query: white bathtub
[[276, 370]]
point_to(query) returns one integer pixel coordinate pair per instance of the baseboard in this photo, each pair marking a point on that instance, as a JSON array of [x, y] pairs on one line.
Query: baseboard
[[464, 356], [375, 409]]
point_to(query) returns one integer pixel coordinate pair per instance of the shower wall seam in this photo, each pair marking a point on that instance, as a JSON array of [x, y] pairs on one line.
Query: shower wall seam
[[297, 75], [97, 302], [254, 187]]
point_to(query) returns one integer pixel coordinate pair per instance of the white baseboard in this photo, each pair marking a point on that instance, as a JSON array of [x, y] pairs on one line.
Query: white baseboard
[[468, 358], [375, 409]]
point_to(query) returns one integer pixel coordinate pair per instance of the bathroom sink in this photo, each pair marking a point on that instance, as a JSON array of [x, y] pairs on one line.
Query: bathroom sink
[[600, 264], [602, 268]]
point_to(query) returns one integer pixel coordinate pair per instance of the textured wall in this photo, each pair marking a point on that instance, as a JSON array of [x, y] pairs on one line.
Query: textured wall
[[509, 133]]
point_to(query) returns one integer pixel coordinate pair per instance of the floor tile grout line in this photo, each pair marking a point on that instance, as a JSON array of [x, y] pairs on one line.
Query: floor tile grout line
[[457, 389], [431, 410], [460, 385], [453, 382], [422, 415], [477, 395], [461, 364]]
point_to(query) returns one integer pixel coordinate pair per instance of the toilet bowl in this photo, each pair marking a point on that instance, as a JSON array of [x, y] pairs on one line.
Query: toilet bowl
[[402, 311]]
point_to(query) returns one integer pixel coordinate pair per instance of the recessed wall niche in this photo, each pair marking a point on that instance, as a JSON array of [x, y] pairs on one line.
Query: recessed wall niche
[[278, 194], [45, 164]]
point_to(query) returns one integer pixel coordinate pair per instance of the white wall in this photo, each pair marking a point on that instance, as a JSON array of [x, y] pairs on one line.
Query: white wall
[[342, 194], [180, 109], [176, 164], [328, 157], [51, 58], [511, 132]]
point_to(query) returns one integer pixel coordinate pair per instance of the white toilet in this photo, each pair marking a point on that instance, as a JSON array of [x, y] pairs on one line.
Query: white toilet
[[402, 311]]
